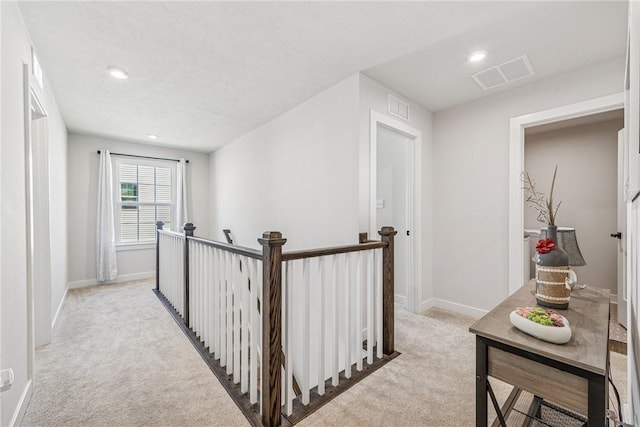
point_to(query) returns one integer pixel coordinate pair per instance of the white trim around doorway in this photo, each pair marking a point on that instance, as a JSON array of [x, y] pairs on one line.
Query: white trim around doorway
[[516, 166], [414, 190]]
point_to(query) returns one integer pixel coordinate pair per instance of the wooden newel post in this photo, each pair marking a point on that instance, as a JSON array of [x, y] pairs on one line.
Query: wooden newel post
[[388, 293], [159, 225], [188, 231], [271, 242]]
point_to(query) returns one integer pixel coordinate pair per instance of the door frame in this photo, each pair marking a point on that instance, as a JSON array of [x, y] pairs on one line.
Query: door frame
[[33, 109], [516, 166], [413, 197], [622, 289]]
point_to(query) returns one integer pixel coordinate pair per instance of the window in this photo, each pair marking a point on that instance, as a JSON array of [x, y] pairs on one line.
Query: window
[[145, 192]]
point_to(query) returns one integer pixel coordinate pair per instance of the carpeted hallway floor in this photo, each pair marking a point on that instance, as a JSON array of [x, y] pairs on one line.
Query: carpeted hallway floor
[[118, 359]]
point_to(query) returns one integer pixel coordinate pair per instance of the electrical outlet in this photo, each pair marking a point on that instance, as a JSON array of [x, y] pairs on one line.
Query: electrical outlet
[[6, 379]]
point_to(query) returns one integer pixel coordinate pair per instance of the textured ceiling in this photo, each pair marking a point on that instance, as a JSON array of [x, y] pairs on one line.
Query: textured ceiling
[[205, 73], [556, 37]]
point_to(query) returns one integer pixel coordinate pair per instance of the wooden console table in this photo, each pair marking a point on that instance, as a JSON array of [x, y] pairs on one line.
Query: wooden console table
[[573, 375]]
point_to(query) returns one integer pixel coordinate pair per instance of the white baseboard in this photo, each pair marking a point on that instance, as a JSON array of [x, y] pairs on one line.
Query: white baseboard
[[59, 310], [400, 301], [124, 278], [18, 415], [425, 305], [626, 413], [474, 312]]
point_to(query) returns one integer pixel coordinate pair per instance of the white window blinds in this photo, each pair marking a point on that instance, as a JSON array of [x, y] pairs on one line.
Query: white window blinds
[[146, 194]]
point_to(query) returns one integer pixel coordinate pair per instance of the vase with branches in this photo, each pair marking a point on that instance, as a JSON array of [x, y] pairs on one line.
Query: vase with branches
[[552, 262]]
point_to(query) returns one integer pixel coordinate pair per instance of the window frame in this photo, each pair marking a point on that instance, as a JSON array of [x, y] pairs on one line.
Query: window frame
[[117, 161]]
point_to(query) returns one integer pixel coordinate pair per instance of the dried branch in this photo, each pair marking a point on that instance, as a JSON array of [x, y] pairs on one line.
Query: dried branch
[[538, 201]]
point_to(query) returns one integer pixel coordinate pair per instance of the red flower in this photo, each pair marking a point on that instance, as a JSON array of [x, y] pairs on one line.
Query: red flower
[[545, 245]]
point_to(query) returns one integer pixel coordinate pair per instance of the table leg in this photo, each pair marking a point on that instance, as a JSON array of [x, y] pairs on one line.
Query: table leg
[[598, 401], [481, 383]]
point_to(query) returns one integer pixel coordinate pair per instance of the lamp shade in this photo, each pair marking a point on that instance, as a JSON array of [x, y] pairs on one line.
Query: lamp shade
[[568, 241]]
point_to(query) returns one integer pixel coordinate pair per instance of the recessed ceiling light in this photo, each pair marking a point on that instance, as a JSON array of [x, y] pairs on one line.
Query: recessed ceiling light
[[477, 56], [152, 136], [117, 73]]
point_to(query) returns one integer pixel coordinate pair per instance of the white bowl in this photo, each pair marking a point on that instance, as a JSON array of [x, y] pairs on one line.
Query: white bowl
[[552, 334]]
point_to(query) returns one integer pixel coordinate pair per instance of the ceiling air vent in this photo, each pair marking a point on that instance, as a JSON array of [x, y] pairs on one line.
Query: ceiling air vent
[[398, 107], [504, 73]]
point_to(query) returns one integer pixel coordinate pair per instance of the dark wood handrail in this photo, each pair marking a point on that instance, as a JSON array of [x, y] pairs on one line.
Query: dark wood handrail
[[248, 252], [311, 253]]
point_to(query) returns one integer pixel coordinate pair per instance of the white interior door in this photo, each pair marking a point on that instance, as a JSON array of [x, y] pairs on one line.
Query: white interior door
[[622, 226], [393, 203]]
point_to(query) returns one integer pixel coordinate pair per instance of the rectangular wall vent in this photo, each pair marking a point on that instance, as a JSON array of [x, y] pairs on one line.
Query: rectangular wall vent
[[504, 73], [398, 107]]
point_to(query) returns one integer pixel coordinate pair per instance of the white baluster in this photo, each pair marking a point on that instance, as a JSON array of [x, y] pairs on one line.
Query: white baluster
[[306, 331], [179, 281], [169, 266], [259, 270], [193, 288], [370, 305], [288, 353], [229, 278], [215, 305], [209, 286], [253, 344], [169, 261], [244, 332], [203, 291], [223, 308], [378, 285], [200, 299], [171, 280], [321, 325], [237, 302], [347, 283], [194, 291], [205, 296], [179, 276], [358, 311], [335, 318]]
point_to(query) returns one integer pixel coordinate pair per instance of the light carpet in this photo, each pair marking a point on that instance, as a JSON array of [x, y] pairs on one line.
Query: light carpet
[[118, 359]]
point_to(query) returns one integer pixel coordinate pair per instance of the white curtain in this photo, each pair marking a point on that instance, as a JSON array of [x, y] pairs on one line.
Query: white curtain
[[182, 213], [106, 265]]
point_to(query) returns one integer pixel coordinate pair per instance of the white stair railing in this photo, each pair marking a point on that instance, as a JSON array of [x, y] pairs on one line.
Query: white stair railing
[[280, 327], [332, 304], [225, 290]]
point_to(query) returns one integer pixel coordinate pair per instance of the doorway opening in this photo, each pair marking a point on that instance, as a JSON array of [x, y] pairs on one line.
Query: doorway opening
[[585, 151], [516, 166], [395, 165]]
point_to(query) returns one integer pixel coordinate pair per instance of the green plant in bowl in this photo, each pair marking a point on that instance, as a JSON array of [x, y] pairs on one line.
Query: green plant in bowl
[[541, 316]]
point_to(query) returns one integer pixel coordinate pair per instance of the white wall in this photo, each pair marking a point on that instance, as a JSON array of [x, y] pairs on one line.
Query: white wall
[[306, 174], [471, 170], [586, 184], [82, 204], [57, 140], [374, 97], [16, 50], [297, 174]]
